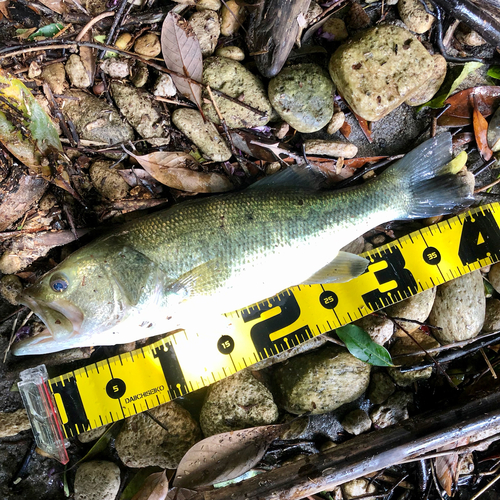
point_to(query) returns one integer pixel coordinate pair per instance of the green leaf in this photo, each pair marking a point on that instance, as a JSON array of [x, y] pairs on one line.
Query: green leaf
[[453, 79], [47, 31], [494, 72], [360, 345]]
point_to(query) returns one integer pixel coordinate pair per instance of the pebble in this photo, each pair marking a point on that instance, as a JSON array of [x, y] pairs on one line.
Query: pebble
[[336, 122], [465, 464], [417, 308], [231, 52], [148, 45], [108, 182], [77, 73], [431, 86], [321, 381], [34, 70], [232, 78], [95, 120], [358, 488], [379, 328], [142, 112], [237, 402], [117, 67], [55, 76], [202, 133], [494, 275], [97, 480], [123, 42], [469, 37], [413, 14], [303, 97], [393, 411], [336, 29], [142, 442], [10, 288], [492, 317], [164, 86], [356, 422], [206, 26], [372, 78], [13, 423], [330, 148], [208, 4], [140, 75], [459, 308], [381, 387], [232, 17]]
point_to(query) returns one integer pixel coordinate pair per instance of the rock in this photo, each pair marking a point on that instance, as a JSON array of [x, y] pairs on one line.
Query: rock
[[336, 122], [431, 86], [237, 402], [93, 434], [231, 52], [123, 42], [203, 134], [303, 97], [373, 77], [108, 181], [335, 29], [148, 45], [459, 308], [142, 112], [381, 387], [206, 26], [465, 464], [492, 317], [321, 381], [330, 148], [356, 422], [13, 423], [97, 480], [164, 86], [413, 14], [232, 78], [117, 67], [208, 4], [77, 73], [55, 76], [95, 7], [95, 120], [494, 275], [142, 442], [34, 70], [358, 488], [393, 411], [469, 37], [313, 11], [406, 345], [140, 75], [379, 328], [417, 308], [10, 288], [356, 17], [232, 17]]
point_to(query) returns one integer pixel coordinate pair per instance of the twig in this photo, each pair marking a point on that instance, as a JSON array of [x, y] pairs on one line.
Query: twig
[[154, 419], [91, 23], [116, 21], [482, 168], [482, 490], [484, 188], [487, 361], [436, 484]]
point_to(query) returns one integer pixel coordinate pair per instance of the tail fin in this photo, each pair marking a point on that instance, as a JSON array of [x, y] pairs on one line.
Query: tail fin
[[422, 179]]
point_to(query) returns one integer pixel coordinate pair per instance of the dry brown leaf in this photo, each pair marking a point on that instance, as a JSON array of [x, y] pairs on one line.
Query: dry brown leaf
[[480, 129], [447, 466], [345, 130], [224, 456], [364, 127], [154, 488], [181, 494], [172, 169], [58, 6], [182, 53], [89, 56]]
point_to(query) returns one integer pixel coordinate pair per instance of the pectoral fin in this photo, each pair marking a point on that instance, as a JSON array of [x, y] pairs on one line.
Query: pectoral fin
[[344, 267]]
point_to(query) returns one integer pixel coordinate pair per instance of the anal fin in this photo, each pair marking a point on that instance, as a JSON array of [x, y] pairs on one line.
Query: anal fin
[[344, 267]]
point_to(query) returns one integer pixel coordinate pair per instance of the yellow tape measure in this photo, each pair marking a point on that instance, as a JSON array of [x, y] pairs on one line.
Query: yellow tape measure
[[130, 383]]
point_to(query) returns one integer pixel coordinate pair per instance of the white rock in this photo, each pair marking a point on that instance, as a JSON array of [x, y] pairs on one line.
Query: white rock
[[164, 86], [330, 148], [97, 480], [231, 52], [415, 17], [117, 67], [357, 488], [206, 26], [76, 72]]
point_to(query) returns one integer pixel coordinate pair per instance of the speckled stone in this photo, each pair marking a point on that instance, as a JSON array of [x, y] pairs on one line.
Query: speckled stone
[[356, 422], [97, 480], [393, 411], [492, 318]]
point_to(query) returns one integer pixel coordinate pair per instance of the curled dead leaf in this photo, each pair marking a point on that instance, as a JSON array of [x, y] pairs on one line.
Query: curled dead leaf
[[155, 487], [480, 129]]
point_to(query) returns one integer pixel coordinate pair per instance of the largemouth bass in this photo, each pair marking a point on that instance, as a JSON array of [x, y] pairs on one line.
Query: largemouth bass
[[217, 254]]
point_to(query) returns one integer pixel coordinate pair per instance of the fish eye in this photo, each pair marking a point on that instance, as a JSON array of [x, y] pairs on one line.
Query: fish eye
[[59, 284]]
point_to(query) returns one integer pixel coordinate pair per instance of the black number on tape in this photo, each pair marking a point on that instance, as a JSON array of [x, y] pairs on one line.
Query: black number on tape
[[480, 238], [172, 370]]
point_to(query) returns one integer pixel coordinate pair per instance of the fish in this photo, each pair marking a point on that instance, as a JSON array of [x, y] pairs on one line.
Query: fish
[[205, 257]]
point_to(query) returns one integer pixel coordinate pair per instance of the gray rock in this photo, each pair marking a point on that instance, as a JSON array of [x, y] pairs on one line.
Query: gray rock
[[356, 422], [77, 73], [206, 26], [494, 274], [393, 411], [95, 120], [375, 79], [232, 78], [414, 15], [416, 308], [237, 402], [142, 112], [97, 480], [203, 134], [108, 182], [492, 317], [303, 97], [381, 387], [13, 423], [432, 85], [142, 442], [459, 308], [321, 381], [379, 328]]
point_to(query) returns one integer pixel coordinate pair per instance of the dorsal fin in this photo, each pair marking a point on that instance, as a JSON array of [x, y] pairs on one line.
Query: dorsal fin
[[296, 176]]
